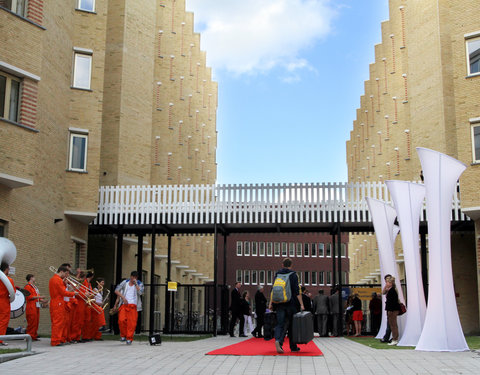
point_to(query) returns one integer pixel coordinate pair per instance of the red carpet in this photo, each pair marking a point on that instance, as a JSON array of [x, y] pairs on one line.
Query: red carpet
[[256, 346]]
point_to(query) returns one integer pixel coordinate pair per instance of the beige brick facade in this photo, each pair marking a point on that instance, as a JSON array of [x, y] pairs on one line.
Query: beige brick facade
[[149, 115], [419, 94]]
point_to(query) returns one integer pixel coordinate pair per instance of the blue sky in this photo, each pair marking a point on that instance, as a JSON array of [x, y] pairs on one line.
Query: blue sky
[[290, 75]]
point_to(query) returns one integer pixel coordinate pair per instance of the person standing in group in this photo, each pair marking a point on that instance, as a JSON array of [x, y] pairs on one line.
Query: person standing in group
[[357, 315], [78, 318], [56, 287], [375, 307], [336, 312], [287, 300], [32, 310], [260, 308], [5, 302], [247, 313], [388, 331], [98, 315], [392, 306], [236, 311], [320, 307], [307, 301], [130, 292], [87, 295]]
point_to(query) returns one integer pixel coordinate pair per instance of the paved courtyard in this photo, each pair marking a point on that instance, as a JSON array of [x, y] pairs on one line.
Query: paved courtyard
[[341, 356]]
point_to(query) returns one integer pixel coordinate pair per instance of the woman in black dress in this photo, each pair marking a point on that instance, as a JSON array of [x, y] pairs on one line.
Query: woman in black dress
[[392, 306]]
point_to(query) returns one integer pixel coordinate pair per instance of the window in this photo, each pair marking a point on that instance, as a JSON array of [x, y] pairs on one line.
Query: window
[[306, 279], [9, 97], [313, 249], [329, 277], [473, 56], [343, 250], [277, 249], [291, 249], [284, 249], [314, 278], [239, 248], [299, 250], [344, 277], [82, 70], [269, 277], [306, 249], [476, 143], [321, 278], [329, 250], [3, 228], [238, 277], [78, 251], [269, 249], [254, 248], [246, 248], [77, 160], [254, 278], [261, 277], [16, 6], [299, 275], [246, 277], [261, 248], [321, 249], [88, 5]]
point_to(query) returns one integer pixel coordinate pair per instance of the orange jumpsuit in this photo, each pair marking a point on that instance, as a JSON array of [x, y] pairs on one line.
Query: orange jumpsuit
[[32, 311], [127, 320], [4, 307], [57, 291], [87, 333]]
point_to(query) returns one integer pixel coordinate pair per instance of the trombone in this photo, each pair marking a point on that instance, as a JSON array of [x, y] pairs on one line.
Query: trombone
[[84, 292]]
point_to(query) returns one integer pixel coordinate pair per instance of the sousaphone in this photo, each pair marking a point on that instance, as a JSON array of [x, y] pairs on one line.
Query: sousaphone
[[8, 253]]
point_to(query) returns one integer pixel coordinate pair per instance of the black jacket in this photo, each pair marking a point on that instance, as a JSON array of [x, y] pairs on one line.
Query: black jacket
[[235, 305], [260, 303]]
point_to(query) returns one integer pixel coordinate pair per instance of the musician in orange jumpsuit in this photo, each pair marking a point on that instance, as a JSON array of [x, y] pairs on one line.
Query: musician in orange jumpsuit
[[98, 314], [78, 313], [33, 307], [70, 304], [4, 302], [87, 330], [57, 291]]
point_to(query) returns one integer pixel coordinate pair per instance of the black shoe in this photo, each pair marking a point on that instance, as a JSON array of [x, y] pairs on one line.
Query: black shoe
[[232, 335], [260, 336], [297, 349], [242, 336]]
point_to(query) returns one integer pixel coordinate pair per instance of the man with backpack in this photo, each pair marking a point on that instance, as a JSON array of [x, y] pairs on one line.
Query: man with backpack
[[287, 300]]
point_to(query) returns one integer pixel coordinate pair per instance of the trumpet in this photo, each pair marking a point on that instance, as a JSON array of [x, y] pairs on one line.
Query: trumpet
[[84, 292], [105, 298]]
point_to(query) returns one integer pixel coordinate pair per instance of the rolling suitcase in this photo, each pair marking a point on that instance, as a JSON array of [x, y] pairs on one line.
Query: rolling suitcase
[[302, 327], [269, 325]]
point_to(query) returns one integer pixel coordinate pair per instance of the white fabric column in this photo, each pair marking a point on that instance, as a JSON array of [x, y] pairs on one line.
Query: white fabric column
[[442, 330], [408, 200], [383, 218]]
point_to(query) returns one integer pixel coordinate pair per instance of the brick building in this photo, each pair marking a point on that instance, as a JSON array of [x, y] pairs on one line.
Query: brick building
[[423, 92], [253, 260], [98, 93]]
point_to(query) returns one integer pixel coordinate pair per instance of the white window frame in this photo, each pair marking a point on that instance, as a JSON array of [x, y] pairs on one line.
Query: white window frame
[[261, 277], [300, 277], [14, 117], [72, 136], [473, 37], [474, 123], [312, 247], [239, 276], [270, 277], [328, 250], [79, 6], [261, 249], [254, 248], [254, 277], [84, 54], [321, 253], [239, 248], [19, 7], [299, 249], [284, 249], [328, 275], [246, 248], [269, 249], [306, 249], [291, 249], [306, 277], [343, 250], [246, 277], [321, 278], [313, 277], [276, 249]]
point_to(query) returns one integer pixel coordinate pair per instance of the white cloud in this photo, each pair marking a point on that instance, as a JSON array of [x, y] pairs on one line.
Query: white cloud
[[252, 36]]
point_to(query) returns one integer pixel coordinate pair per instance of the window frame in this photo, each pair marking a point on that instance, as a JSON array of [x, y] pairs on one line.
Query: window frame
[[343, 250], [246, 248], [239, 248], [473, 125], [14, 7], [306, 249], [321, 277], [323, 249], [269, 249], [313, 249], [7, 100], [475, 37], [313, 278], [79, 2], [254, 248], [239, 276], [246, 277], [328, 250], [3, 228], [270, 276], [261, 277], [284, 248], [276, 249], [291, 249], [261, 249], [80, 52], [254, 277], [328, 280], [72, 135], [299, 249], [306, 277]]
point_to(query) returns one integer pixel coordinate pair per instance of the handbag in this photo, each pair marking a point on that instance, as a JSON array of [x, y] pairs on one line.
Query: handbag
[[403, 309]]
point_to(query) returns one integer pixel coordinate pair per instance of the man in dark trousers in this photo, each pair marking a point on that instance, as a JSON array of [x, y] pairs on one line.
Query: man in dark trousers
[[320, 307], [336, 311], [286, 310], [236, 310], [260, 308], [375, 307]]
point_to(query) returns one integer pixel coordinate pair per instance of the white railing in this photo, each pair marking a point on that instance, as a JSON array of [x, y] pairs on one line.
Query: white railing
[[243, 204]]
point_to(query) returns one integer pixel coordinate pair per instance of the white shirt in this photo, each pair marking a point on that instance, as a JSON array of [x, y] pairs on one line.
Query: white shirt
[[131, 293], [99, 298]]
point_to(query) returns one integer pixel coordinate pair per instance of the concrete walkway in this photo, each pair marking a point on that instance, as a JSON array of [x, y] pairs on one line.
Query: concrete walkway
[[341, 356]]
